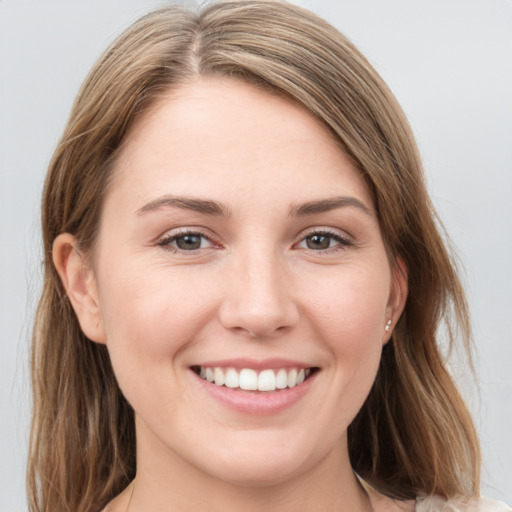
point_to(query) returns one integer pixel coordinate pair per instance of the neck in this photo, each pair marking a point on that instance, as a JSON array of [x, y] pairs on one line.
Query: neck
[[165, 481]]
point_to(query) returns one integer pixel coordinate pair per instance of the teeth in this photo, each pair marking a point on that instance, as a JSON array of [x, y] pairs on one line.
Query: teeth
[[232, 380], [267, 381], [281, 379], [250, 380], [292, 378], [218, 375]]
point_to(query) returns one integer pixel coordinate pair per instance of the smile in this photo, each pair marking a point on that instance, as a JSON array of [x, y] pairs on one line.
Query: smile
[[250, 379]]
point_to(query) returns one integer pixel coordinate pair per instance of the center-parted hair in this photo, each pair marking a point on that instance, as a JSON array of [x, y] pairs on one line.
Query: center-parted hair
[[414, 435]]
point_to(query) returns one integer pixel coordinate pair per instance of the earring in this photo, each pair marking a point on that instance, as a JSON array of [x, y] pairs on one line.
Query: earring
[[388, 326]]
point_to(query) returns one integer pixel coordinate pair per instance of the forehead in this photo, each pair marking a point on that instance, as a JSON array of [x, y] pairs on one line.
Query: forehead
[[217, 136]]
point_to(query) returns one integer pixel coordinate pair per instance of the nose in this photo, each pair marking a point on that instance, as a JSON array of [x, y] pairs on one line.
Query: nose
[[259, 298]]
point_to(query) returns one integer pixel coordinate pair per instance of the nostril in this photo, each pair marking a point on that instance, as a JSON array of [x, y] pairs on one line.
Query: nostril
[[258, 307]]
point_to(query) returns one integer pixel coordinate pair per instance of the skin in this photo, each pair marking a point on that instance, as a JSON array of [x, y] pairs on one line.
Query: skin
[[255, 287]]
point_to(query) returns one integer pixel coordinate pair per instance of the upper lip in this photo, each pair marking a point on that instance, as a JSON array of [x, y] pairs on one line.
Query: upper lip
[[255, 364]]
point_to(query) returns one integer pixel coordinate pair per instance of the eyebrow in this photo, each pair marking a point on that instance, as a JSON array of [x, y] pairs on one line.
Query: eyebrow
[[204, 206], [325, 205], [214, 208]]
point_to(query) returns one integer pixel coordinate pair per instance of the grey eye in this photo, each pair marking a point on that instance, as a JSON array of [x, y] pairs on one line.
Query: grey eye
[[319, 241], [188, 242], [324, 241], [185, 242]]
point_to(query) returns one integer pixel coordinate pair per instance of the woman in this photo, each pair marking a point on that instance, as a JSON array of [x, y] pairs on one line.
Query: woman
[[243, 283]]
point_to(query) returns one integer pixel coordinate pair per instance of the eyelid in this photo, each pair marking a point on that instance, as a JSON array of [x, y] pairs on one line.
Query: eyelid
[[345, 240], [165, 240]]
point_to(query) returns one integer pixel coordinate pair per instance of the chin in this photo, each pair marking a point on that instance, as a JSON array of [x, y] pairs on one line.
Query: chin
[[258, 475], [261, 467]]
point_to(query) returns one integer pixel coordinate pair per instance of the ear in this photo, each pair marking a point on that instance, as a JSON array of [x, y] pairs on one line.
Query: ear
[[79, 282], [397, 297]]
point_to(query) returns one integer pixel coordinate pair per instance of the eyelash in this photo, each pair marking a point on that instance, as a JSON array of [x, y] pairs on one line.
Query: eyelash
[[342, 242], [168, 239]]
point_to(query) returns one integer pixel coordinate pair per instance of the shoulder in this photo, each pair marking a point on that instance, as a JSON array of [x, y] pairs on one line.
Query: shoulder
[[437, 504]]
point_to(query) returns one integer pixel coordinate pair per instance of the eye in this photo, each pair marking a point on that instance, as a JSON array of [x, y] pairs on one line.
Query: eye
[[324, 241], [187, 241]]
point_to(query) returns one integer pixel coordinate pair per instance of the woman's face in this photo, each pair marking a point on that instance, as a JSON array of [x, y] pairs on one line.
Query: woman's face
[[239, 243]]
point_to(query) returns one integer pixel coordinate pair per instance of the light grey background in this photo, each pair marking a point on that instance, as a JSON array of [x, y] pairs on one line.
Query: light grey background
[[448, 61]]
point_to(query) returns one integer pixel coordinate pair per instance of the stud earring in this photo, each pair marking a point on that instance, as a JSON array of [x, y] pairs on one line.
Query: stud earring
[[388, 326]]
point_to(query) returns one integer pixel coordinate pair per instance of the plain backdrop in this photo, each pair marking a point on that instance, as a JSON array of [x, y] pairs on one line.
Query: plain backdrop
[[449, 62]]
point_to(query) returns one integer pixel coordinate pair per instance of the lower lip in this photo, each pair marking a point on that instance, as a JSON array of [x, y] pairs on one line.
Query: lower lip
[[257, 402]]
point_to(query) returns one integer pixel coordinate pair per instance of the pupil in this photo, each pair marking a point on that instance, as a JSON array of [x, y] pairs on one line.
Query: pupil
[[318, 242], [189, 242]]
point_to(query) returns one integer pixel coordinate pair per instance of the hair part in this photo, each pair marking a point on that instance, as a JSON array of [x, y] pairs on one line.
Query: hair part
[[414, 435]]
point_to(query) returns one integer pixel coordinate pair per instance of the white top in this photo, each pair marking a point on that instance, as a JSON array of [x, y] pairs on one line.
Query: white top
[[381, 503], [436, 504]]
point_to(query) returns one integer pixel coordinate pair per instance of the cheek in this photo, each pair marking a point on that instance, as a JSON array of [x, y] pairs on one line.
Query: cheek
[[348, 311], [150, 318], [349, 304], [152, 313]]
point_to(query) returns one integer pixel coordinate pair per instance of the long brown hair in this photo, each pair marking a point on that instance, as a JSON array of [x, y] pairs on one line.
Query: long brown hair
[[414, 435]]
